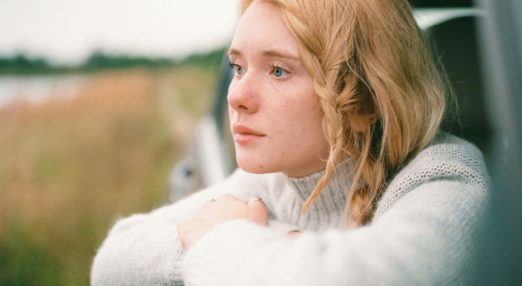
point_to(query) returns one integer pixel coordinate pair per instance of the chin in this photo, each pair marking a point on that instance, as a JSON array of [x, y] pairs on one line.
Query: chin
[[255, 166]]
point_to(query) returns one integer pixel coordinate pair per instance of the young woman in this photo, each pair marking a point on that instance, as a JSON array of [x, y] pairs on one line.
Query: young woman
[[344, 176]]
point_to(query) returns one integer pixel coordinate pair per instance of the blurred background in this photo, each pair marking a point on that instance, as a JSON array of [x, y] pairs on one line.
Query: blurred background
[[104, 102], [98, 99]]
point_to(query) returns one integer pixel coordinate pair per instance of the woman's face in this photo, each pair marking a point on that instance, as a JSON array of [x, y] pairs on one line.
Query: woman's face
[[275, 114]]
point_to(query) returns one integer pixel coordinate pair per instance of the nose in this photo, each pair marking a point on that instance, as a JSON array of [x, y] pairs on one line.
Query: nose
[[243, 94]]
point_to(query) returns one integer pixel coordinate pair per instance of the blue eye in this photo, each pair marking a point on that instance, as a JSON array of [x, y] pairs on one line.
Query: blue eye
[[237, 69], [279, 71]]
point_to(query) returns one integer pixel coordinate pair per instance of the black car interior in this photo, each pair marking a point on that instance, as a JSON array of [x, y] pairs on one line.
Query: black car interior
[[455, 45]]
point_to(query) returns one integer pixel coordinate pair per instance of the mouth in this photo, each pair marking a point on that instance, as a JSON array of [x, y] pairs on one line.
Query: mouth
[[245, 135]]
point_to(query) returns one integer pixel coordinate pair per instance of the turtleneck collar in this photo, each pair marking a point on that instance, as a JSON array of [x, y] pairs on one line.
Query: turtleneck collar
[[339, 182]]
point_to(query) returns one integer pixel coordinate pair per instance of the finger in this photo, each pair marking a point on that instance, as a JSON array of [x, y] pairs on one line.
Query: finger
[[228, 197], [258, 211], [209, 204], [294, 233], [255, 202]]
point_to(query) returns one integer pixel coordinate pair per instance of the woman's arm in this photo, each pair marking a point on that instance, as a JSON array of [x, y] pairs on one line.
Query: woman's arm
[[425, 238], [144, 249]]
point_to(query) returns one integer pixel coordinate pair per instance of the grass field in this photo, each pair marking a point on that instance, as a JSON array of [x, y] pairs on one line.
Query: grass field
[[71, 165]]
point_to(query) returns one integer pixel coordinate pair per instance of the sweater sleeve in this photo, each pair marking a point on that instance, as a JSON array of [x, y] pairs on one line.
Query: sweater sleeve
[[425, 238], [144, 249]]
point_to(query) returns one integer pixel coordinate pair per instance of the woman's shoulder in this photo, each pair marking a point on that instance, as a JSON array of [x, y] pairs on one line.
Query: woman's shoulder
[[447, 158], [451, 149]]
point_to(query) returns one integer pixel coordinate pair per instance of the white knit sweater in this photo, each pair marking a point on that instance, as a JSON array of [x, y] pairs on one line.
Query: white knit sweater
[[422, 232]]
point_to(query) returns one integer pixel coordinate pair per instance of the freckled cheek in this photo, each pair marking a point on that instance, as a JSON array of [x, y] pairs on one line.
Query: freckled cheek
[[289, 130]]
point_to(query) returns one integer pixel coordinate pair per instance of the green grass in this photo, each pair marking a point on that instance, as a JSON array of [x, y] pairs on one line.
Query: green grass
[[71, 166]]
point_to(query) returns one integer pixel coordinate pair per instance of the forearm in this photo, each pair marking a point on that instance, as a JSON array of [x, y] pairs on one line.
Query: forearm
[[241, 253], [139, 251], [144, 249], [424, 239]]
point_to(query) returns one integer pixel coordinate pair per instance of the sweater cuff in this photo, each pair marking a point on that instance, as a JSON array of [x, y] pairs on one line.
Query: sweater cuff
[[217, 254]]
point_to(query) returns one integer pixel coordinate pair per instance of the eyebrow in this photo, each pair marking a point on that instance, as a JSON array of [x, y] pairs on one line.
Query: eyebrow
[[267, 53]]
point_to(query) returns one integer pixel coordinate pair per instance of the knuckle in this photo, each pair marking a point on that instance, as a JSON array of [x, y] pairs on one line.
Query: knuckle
[[228, 197]]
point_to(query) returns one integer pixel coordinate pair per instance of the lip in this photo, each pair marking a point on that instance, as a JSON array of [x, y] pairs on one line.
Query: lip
[[244, 134]]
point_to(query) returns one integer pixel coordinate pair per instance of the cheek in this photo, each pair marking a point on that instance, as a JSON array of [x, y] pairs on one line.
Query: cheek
[[300, 122], [306, 113], [311, 122]]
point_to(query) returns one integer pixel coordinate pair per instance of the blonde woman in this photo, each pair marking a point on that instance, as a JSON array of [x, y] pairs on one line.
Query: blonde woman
[[344, 179]]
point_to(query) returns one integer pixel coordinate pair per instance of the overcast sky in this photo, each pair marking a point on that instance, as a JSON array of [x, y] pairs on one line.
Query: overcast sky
[[68, 30]]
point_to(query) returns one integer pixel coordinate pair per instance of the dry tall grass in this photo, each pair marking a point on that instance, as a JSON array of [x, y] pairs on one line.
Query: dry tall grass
[[70, 165]]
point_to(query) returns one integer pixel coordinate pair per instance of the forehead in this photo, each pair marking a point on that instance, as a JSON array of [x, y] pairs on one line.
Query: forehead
[[262, 27]]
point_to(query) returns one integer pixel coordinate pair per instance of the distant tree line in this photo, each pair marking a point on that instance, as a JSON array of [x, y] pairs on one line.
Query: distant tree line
[[99, 60], [22, 63]]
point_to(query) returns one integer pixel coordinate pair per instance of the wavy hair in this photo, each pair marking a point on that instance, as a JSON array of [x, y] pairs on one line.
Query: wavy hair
[[380, 90]]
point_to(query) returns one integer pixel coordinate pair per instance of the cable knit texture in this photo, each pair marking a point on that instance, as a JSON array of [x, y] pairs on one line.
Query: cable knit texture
[[422, 232]]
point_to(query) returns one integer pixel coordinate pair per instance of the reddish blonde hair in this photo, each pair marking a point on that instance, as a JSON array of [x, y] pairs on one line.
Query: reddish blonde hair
[[380, 90]]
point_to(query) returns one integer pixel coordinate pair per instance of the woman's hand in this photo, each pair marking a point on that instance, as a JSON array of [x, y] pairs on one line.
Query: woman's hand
[[216, 211]]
